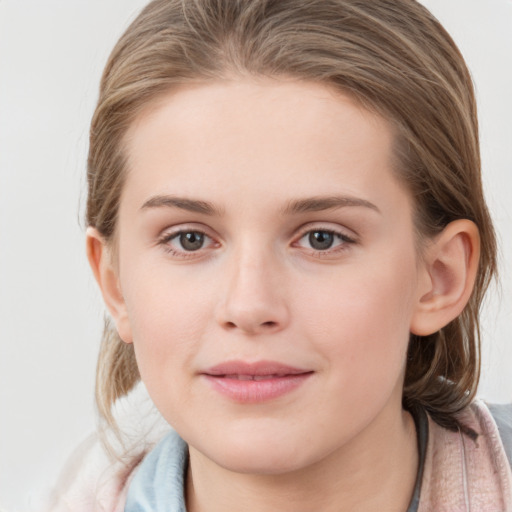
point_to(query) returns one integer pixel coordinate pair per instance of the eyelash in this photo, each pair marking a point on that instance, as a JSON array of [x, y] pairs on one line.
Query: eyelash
[[165, 240], [344, 240]]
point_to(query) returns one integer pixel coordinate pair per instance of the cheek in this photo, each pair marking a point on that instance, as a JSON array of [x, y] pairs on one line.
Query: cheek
[[168, 319], [360, 322]]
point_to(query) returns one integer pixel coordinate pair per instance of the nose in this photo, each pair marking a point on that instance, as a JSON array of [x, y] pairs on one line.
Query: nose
[[253, 296]]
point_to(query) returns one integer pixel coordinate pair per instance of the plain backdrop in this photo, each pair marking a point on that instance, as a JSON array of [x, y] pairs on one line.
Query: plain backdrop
[[51, 57]]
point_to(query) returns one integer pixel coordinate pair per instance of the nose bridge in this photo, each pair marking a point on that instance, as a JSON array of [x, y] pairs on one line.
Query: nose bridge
[[253, 297]]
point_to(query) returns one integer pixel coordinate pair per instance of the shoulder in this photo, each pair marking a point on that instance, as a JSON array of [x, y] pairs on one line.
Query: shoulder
[[462, 472], [96, 478], [93, 480], [493, 423], [502, 415]]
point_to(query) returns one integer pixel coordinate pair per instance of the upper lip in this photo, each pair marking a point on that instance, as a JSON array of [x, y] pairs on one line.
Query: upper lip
[[258, 368]]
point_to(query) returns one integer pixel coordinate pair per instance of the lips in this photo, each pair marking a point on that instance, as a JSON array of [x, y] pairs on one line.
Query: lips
[[251, 377], [255, 382]]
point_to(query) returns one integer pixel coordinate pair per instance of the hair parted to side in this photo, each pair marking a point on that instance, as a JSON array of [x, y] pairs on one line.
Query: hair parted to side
[[393, 57]]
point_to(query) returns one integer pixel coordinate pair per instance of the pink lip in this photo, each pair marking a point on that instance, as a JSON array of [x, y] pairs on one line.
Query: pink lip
[[255, 382]]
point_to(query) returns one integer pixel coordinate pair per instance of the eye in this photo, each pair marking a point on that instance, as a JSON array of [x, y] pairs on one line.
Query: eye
[[182, 242], [190, 240], [321, 240]]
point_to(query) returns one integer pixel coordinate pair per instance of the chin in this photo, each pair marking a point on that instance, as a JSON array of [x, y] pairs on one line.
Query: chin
[[259, 454], [262, 462]]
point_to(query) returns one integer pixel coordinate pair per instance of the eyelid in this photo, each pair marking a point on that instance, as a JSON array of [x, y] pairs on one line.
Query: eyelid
[[330, 228], [346, 236], [346, 240], [170, 233]]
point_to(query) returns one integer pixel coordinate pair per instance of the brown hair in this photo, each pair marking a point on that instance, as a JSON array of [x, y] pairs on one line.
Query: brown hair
[[393, 57]]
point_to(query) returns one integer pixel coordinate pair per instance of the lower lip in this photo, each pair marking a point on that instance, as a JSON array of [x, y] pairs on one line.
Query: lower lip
[[256, 391]]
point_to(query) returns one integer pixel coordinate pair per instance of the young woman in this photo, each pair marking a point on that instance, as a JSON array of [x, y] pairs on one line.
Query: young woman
[[287, 224]]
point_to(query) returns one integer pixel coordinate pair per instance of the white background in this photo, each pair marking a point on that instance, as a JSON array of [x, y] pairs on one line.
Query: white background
[[51, 57]]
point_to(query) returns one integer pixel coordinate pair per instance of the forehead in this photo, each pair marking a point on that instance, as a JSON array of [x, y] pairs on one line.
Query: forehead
[[271, 138]]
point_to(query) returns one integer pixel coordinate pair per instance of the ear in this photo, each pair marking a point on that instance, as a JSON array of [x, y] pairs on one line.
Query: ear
[[100, 259], [450, 267]]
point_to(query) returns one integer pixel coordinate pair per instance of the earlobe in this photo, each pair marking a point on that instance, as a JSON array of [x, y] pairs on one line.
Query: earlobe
[[450, 268], [106, 275]]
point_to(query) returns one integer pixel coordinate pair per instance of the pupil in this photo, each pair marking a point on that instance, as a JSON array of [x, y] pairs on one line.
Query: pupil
[[321, 240], [191, 241]]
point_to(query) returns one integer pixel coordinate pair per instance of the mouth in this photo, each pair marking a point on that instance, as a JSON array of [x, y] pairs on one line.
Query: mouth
[[250, 377], [255, 382]]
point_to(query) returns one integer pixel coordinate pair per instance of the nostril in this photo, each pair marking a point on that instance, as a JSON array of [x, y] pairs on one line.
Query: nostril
[[264, 325]]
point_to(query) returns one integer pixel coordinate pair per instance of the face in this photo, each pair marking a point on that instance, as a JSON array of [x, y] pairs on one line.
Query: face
[[268, 270]]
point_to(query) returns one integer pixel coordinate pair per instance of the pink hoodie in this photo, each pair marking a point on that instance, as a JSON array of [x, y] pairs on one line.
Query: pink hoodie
[[459, 475]]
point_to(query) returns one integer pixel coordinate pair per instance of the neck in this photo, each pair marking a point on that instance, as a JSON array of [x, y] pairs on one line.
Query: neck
[[376, 472]]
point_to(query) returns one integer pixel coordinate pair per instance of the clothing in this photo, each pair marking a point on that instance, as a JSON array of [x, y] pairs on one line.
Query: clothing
[[150, 489], [465, 475], [457, 473]]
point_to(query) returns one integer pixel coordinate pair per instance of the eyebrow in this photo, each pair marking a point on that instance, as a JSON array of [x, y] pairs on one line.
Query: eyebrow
[[182, 203], [310, 204], [318, 204]]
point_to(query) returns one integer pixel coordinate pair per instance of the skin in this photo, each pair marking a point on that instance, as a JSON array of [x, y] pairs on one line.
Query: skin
[[259, 289]]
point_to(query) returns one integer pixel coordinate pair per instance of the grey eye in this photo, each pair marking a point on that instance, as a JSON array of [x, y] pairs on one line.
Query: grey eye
[[321, 240], [191, 240]]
